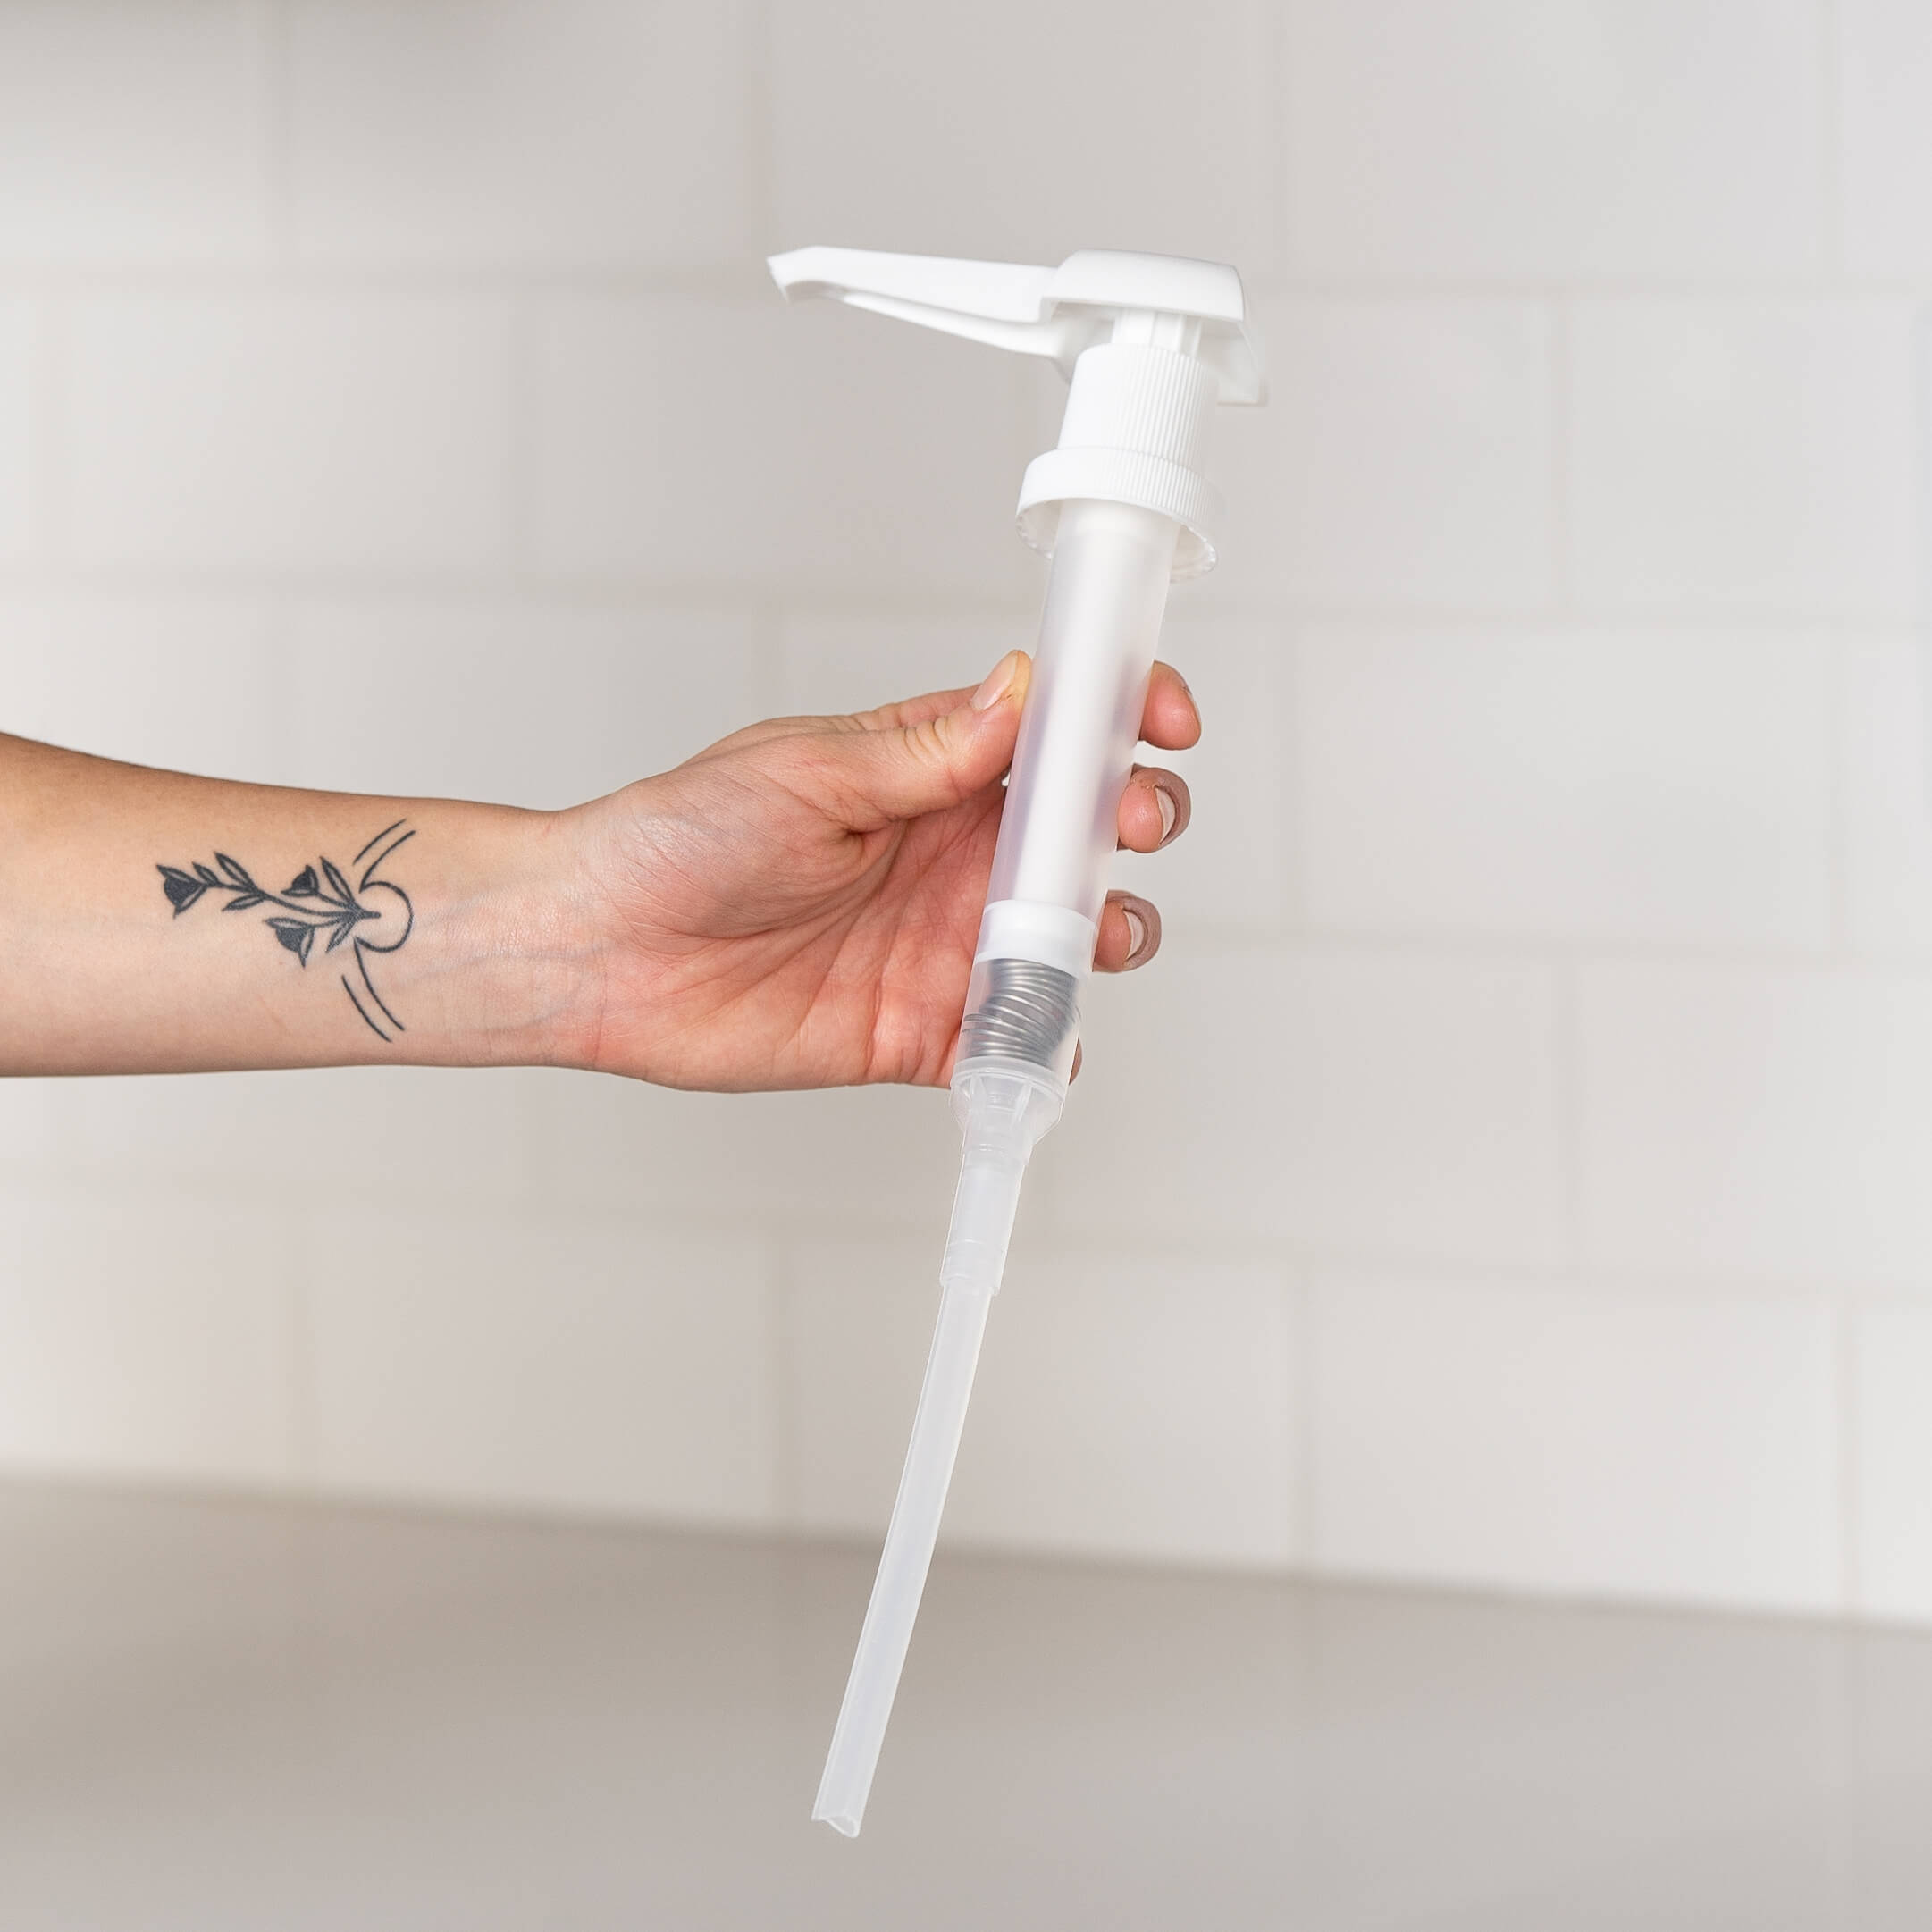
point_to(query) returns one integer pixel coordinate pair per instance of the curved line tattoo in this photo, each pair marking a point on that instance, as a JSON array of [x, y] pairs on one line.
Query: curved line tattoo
[[370, 873], [318, 900], [362, 963], [377, 840], [364, 1011]]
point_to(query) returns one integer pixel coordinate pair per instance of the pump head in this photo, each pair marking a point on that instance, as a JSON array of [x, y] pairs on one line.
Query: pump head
[[1150, 342]]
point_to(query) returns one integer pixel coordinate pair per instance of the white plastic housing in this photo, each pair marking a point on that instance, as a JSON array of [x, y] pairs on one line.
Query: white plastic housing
[[1099, 630]]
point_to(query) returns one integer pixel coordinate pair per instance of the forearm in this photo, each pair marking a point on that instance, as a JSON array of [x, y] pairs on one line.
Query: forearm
[[152, 922]]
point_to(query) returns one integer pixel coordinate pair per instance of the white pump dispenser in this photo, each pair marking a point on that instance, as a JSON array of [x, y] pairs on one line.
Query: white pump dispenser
[[1122, 505]]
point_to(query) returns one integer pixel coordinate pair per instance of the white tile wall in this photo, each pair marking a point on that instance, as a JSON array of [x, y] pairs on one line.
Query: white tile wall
[[133, 133], [579, 131], [541, 1362], [342, 1135], [1234, 868], [1766, 1122], [389, 397], [1885, 105], [867, 1154], [1126, 1404], [1549, 1439], [1405, 456], [289, 434], [149, 1331], [1543, 137], [1748, 455], [683, 440], [1890, 1370], [1014, 132], [17, 431], [1387, 1102], [532, 704], [1632, 785], [854, 660], [185, 681]]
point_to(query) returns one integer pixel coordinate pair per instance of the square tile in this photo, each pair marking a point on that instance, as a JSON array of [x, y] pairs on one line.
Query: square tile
[[1669, 786], [541, 1365], [512, 702], [1405, 458], [134, 134], [1892, 1457], [147, 1332], [289, 432], [1553, 138], [1345, 1099], [1743, 456], [1884, 109], [1541, 1438], [692, 442], [928, 130], [567, 131], [1761, 1122]]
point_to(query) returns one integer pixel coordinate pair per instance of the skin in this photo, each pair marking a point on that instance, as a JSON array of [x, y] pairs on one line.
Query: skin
[[795, 906]]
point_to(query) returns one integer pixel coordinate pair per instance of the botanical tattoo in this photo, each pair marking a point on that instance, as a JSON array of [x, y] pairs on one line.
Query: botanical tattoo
[[314, 902]]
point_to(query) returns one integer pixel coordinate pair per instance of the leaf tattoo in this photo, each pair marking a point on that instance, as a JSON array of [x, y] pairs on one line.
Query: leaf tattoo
[[314, 902]]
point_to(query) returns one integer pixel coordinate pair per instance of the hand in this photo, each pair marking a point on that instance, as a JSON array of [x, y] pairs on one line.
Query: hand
[[797, 906]]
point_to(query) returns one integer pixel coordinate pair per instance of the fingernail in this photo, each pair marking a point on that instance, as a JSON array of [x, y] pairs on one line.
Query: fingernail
[[1170, 811], [1192, 700], [1136, 932], [999, 681]]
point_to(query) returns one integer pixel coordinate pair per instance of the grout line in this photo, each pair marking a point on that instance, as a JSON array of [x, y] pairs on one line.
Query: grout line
[[761, 178], [287, 273], [1921, 407], [768, 657], [1844, 1376], [304, 1430], [1562, 373], [1569, 1105], [1293, 726], [1830, 57], [522, 415], [277, 133], [1278, 198], [815, 601], [1303, 1379], [74, 1179], [787, 1501], [1838, 805], [1739, 291], [745, 279], [51, 326]]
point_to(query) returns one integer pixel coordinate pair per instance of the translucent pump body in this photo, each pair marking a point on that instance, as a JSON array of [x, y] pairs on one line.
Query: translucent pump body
[[1151, 344]]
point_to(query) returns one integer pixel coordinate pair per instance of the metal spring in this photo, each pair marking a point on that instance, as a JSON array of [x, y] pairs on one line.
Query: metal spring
[[1028, 1013]]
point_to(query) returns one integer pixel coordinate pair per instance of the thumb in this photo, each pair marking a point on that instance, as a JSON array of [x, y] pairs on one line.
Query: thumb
[[914, 760]]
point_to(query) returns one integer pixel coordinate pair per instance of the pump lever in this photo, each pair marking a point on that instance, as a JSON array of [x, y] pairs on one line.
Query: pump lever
[[1055, 312]]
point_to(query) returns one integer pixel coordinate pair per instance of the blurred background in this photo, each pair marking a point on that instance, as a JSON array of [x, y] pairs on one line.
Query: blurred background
[[1517, 1170]]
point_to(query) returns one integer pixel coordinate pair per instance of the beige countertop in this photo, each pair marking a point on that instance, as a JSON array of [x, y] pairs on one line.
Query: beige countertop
[[218, 1715]]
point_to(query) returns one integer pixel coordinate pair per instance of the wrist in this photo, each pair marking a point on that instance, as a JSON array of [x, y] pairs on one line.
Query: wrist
[[517, 979]]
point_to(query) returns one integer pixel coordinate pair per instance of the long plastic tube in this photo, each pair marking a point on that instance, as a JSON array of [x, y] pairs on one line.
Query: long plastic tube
[[1098, 633], [900, 1581]]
